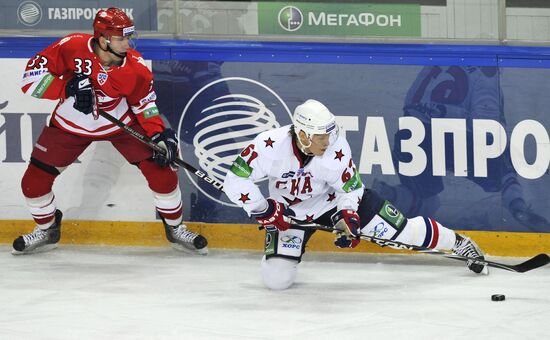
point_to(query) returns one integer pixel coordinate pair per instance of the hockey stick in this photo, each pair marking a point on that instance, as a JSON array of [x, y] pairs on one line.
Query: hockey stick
[[154, 146], [532, 263]]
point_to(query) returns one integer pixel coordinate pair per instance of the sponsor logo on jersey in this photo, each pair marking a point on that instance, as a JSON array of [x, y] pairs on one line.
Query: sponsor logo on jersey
[[269, 248], [150, 98], [393, 216], [291, 241], [219, 123], [391, 210], [353, 183], [151, 112], [35, 73], [102, 78], [379, 230], [43, 86], [288, 174], [240, 168], [301, 172]]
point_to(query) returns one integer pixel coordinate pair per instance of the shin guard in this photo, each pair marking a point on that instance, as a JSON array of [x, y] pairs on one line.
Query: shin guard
[[37, 189]]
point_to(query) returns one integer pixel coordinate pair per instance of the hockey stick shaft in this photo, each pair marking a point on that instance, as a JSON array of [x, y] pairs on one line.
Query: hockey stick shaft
[[530, 264], [156, 147]]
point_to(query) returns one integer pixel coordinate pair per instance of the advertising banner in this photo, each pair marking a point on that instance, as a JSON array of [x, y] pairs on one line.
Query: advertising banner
[[467, 145], [339, 19], [76, 15]]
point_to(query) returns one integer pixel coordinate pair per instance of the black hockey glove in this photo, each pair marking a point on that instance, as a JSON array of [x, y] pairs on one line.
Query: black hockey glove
[[80, 87], [168, 140]]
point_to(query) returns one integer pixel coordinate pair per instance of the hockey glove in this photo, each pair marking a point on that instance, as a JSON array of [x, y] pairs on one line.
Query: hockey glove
[[343, 241], [347, 221], [348, 227], [80, 87], [168, 140], [274, 215]]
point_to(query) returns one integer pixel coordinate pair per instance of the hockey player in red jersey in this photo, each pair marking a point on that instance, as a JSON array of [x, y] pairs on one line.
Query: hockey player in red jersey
[[313, 178], [88, 73]]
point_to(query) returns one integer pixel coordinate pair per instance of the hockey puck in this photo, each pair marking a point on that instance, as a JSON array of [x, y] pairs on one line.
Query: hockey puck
[[497, 297]]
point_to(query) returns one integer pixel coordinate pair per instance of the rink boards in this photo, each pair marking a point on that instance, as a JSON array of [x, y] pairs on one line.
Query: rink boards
[[248, 237], [456, 95]]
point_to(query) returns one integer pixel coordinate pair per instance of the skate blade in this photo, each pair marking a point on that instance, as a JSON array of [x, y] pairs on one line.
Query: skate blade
[[42, 249], [485, 271], [179, 247]]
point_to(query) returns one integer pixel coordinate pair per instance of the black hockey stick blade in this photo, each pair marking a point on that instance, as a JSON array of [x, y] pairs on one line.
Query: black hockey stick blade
[[530, 264]]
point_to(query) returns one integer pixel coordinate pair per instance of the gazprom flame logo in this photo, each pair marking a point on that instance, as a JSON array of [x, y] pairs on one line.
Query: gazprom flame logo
[[224, 123], [290, 18]]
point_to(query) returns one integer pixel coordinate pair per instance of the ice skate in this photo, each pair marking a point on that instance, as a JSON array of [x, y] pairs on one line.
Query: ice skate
[[39, 240], [465, 246], [185, 240]]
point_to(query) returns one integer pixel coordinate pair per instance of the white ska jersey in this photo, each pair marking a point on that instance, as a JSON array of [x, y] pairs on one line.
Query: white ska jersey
[[325, 182]]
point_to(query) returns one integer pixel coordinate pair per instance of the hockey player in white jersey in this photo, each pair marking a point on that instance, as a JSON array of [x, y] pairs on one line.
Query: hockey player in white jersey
[[313, 178]]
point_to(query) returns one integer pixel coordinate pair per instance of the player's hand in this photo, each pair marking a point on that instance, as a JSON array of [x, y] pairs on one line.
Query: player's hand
[[80, 87], [347, 222], [273, 215], [343, 241], [168, 140]]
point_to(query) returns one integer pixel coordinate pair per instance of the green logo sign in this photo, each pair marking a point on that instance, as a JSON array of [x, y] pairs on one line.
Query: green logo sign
[[338, 19], [290, 18]]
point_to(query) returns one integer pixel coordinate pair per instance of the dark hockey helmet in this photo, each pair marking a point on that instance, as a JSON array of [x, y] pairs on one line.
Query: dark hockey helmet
[[112, 22]]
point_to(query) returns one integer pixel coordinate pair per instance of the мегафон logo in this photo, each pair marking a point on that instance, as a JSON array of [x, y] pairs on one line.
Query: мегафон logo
[[290, 18]]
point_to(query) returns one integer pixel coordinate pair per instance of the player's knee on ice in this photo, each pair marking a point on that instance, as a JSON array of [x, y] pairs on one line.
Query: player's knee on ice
[[278, 273]]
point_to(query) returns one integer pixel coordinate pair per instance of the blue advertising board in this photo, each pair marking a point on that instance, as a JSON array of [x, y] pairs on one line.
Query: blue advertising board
[[466, 144], [458, 133]]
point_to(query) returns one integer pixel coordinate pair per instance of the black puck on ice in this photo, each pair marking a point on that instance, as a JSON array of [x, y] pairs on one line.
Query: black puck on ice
[[497, 297]]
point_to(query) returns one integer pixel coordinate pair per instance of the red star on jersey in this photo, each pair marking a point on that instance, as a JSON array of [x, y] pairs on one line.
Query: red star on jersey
[[339, 155], [292, 202], [331, 197], [269, 142], [244, 198], [309, 218]]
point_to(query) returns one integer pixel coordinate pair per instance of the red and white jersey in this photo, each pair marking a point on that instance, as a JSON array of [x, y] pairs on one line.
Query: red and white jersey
[[310, 190], [122, 91]]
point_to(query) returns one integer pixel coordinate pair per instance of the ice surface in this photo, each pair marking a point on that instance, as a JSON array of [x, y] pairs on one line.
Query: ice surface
[[80, 292]]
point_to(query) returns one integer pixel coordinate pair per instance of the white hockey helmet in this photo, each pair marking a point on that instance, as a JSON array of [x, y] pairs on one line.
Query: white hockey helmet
[[313, 118]]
